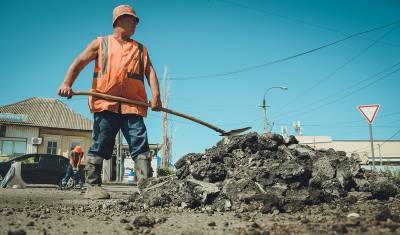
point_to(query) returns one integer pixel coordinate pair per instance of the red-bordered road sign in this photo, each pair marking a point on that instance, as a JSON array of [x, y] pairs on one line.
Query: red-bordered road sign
[[369, 111]]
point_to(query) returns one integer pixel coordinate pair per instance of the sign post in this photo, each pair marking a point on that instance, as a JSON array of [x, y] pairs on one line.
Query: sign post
[[369, 112], [372, 145]]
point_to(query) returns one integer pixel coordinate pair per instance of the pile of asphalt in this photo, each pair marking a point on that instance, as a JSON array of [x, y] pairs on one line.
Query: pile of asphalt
[[263, 173]]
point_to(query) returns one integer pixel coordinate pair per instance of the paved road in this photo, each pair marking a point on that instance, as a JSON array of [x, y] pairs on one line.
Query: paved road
[[46, 210], [43, 209]]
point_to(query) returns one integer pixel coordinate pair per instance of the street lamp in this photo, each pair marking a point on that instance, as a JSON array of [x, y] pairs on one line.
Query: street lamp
[[264, 105]]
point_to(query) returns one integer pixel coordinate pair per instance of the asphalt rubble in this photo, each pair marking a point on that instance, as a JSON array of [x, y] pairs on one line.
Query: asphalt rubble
[[264, 173], [268, 174]]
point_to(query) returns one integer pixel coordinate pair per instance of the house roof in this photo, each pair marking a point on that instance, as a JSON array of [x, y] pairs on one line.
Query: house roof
[[44, 112]]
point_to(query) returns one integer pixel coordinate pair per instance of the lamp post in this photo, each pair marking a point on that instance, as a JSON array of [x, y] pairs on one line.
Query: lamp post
[[264, 105]]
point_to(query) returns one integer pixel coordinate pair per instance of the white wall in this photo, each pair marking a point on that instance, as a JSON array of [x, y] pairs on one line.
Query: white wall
[[386, 149]]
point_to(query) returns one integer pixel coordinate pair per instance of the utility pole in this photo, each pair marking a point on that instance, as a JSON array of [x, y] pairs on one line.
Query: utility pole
[[264, 105], [170, 141], [165, 141], [380, 155]]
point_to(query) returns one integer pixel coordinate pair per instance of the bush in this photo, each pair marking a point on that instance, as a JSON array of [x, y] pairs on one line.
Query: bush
[[165, 171]]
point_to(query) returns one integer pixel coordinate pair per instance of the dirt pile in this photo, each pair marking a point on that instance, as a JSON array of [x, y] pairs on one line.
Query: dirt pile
[[263, 173]]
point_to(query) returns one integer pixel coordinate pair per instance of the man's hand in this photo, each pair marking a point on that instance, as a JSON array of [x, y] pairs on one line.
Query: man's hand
[[155, 103], [65, 90]]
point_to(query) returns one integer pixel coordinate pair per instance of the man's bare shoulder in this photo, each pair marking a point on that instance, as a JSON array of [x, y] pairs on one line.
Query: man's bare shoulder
[[95, 44]]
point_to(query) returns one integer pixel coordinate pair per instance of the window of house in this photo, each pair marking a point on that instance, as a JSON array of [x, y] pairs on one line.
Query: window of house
[[52, 147], [7, 147], [12, 148], [2, 131], [19, 148]]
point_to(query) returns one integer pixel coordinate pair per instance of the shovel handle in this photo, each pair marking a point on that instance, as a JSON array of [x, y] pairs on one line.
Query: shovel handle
[[219, 130], [141, 103], [110, 97]]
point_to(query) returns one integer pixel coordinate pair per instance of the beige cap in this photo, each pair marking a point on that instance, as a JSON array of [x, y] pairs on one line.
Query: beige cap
[[123, 10]]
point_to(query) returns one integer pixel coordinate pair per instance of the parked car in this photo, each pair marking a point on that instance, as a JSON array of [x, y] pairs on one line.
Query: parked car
[[38, 168]]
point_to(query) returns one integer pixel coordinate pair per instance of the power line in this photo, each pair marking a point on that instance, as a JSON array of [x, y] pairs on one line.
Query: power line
[[330, 75], [295, 19], [344, 122], [212, 105], [350, 94], [389, 114], [345, 96], [284, 58], [390, 138], [344, 89]]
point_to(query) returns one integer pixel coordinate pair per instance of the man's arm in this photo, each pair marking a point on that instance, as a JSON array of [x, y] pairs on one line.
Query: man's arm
[[152, 79], [76, 67], [155, 102]]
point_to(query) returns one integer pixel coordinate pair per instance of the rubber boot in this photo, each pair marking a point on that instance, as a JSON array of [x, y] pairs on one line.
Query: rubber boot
[[143, 168], [94, 190]]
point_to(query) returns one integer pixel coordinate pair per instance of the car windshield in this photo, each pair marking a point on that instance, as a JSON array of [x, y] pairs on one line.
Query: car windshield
[[31, 160]]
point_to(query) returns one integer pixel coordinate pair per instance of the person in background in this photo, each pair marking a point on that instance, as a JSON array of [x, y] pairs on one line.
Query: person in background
[[75, 160]]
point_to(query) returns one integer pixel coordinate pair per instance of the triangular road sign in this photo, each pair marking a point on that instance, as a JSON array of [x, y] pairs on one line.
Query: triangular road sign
[[369, 111]]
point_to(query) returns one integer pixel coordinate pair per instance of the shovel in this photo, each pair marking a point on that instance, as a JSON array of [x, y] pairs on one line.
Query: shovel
[[141, 103]]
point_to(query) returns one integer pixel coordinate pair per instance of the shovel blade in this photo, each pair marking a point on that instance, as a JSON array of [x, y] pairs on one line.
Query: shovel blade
[[235, 132]]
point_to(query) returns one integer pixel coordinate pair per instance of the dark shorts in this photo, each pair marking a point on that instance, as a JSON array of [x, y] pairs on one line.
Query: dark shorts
[[105, 128]]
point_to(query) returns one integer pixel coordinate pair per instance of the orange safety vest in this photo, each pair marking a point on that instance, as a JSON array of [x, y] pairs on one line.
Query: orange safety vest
[[119, 71]]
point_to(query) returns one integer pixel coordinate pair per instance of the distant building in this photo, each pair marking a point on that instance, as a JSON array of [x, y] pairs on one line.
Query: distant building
[[40, 125], [389, 150]]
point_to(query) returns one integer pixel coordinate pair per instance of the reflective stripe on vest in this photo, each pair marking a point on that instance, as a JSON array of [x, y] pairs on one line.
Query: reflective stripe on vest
[[134, 76], [104, 55]]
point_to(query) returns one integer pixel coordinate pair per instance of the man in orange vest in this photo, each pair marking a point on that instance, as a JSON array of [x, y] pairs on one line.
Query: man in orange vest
[[75, 159], [121, 65]]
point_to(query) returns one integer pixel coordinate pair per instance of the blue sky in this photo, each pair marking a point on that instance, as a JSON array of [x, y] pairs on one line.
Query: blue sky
[[199, 37]]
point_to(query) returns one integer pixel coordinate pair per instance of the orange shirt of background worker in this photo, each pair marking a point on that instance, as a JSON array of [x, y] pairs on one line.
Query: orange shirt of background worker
[[75, 157]]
